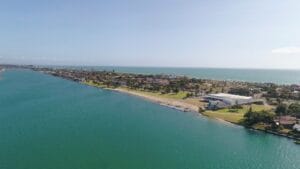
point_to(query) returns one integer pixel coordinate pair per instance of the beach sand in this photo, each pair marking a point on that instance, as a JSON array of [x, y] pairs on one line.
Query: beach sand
[[172, 103]]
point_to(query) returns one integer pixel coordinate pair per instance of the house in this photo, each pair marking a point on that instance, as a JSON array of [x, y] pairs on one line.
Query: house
[[296, 127], [227, 99], [286, 121]]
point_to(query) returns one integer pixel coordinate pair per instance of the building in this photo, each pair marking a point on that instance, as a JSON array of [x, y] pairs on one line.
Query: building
[[215, 105], [296, 127], [229, 99], [286, 121], [222, 100]]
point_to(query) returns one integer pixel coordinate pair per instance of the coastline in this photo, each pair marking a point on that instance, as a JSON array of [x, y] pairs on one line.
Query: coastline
[[184, 107], [172, 103], [175, 100], [168, 102]]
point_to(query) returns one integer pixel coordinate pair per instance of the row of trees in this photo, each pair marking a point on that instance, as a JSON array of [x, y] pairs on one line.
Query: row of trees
[[253, 117], [292, 109]]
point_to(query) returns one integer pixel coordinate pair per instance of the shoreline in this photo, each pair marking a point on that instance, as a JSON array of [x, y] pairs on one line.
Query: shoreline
[[168, 102], [173, 104], [178, 102], [185, 107]]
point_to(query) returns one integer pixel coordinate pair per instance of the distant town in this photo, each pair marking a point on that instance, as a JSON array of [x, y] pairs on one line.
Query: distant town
[[268, 107]]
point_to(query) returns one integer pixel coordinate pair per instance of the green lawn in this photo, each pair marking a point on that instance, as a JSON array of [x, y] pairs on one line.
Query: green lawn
[[235, 115], [90, 83], [179, 95], [230, 117]]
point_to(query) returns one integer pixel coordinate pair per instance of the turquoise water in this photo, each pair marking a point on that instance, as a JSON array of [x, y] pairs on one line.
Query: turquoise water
[[51, 123], [249, 75]]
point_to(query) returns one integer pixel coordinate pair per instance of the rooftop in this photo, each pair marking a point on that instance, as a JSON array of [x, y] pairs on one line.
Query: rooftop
[[230, 96]]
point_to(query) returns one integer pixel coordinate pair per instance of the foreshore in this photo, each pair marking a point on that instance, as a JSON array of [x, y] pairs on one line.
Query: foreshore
[[172, 103], [183, 106], [184, 94]]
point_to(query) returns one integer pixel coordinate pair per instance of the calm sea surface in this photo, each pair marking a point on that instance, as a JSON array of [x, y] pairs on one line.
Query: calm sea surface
[[51, 123], [249, 75]]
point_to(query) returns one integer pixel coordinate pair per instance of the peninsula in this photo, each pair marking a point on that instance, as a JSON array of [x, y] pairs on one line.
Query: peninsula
[[267, 107]]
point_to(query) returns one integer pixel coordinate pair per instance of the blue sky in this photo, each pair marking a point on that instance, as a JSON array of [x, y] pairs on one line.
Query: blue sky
[[175, 33]]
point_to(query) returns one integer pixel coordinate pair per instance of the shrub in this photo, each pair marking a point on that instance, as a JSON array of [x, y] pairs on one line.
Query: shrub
[[252, 117], [281, 109]]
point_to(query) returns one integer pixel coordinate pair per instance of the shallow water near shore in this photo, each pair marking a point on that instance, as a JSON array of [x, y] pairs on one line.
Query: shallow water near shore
[[51, 123]]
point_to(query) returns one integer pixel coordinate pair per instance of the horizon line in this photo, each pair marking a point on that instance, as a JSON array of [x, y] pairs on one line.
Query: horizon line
[[137, 66]]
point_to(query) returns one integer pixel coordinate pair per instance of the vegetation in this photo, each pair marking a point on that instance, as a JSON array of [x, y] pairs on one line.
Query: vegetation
[[187, 90], [227, 116], [255, 117], [294, 109], [178, 95], [240, 91], [281, 109], [174, 84], [236, 115]]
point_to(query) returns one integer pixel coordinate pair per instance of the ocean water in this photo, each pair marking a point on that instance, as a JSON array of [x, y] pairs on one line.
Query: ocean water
[[51, 123], [249, 75]]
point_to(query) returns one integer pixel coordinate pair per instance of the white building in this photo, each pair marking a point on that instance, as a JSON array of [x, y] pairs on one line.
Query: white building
[[297, 127], [227, 99]]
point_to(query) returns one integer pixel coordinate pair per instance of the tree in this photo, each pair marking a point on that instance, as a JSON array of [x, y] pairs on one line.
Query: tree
[[252, 117], [294, 109], [240, 91], [281, 109], [175, 90]]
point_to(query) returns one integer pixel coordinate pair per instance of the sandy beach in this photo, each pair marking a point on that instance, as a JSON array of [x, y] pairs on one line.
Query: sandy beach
[[172, 103]]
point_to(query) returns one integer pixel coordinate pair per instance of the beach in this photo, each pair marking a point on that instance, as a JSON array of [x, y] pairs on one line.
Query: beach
[[172, 103]]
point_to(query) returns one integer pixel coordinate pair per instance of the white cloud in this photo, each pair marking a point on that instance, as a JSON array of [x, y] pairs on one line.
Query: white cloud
[[286, 51]]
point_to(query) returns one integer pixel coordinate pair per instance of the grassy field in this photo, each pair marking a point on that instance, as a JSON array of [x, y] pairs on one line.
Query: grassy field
[[235, 115], [179, 95], [230, 117], [90, 83]]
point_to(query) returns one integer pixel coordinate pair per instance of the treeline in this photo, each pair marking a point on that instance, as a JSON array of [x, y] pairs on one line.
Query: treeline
[[254, 117], [293, 109], [174, 84]]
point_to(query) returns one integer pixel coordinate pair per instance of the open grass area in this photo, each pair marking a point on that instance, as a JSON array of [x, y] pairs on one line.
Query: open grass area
[[230, 117], [235, 115], [179, 95], [90, 83]]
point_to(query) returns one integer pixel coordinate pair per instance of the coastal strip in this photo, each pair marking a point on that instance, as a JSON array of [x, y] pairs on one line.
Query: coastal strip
[[190, 95], [168, 102], [172, 103]]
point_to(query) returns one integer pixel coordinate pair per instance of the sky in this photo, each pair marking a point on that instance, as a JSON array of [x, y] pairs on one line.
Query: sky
[[155, 33]]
